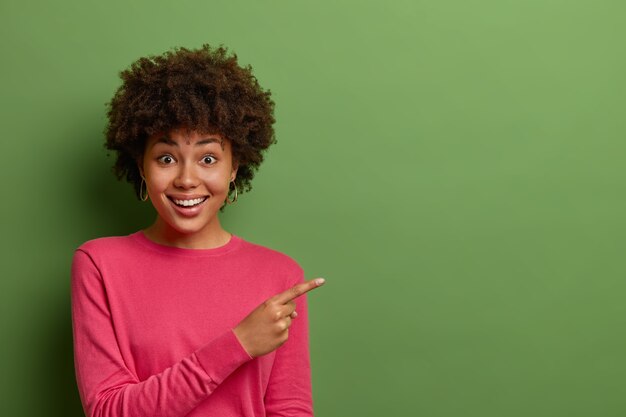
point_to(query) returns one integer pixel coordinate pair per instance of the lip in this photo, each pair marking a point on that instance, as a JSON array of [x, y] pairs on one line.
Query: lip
[[188, 211]]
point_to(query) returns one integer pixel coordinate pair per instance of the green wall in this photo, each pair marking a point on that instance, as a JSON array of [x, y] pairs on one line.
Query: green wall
[[454, 168]]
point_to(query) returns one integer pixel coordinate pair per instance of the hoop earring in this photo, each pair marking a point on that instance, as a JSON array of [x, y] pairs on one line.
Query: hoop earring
[[141, 196], [235, 199]]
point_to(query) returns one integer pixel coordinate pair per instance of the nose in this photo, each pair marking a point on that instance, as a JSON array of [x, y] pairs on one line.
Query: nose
[[186, 177]]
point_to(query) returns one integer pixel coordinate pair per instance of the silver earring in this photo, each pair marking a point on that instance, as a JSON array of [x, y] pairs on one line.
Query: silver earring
[[235, 199]]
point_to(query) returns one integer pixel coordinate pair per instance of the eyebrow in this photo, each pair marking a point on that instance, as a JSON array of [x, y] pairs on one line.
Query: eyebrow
[[169, 141]]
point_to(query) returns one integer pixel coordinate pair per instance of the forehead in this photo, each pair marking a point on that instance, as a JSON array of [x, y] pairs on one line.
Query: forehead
[[180, 137]]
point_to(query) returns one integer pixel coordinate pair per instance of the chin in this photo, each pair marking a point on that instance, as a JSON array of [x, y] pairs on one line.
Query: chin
[[187, 230]]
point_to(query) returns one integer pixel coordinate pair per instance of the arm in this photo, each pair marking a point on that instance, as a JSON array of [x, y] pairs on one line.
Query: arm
[[289, 389], [108, 388]]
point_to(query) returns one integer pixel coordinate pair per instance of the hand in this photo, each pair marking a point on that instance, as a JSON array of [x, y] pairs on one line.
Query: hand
[[267, 327]]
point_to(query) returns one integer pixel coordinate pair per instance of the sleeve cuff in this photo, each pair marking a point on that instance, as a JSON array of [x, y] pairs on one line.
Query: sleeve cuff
[[222, 356]]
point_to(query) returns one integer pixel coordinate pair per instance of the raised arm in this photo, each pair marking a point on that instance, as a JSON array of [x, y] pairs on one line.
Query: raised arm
[[108, 388], [289, 389]]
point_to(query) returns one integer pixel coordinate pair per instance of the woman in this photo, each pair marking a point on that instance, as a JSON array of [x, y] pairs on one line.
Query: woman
[[184, 318]]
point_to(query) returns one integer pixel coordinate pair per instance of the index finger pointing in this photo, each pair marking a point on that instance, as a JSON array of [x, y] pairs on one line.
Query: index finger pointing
[[297, 290]]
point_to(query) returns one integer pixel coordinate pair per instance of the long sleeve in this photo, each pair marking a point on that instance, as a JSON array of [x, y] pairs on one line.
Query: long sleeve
[[289, 390], [107, 386]]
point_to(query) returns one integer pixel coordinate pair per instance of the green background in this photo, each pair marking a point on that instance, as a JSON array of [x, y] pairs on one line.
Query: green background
[[453, 168]]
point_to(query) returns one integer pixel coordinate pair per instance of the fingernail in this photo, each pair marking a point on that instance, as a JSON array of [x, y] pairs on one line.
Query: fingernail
[[320, 281]]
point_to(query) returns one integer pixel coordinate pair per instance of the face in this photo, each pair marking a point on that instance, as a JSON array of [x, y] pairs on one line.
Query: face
[[187, 178]]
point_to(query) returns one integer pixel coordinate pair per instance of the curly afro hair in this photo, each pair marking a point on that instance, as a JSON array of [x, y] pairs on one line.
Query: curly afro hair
[[203, 90]]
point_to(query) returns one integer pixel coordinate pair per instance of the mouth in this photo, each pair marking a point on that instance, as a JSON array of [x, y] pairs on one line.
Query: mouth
[[188, 203]]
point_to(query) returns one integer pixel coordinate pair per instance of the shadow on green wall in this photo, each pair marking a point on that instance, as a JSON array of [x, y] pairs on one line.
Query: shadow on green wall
[[101, 206]]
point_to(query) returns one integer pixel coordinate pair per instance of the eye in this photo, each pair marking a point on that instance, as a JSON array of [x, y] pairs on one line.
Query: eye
[[165, 159], [208, 159]]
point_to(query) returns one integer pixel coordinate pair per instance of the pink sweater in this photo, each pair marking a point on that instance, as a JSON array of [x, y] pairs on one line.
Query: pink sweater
[[153, 334]]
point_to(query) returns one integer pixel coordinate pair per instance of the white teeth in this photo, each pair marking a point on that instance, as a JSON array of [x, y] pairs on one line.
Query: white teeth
[[189, 203]]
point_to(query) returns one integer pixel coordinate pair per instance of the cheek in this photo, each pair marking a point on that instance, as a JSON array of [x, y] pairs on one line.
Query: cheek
[[218, 187], [155, 180], [217, 180]]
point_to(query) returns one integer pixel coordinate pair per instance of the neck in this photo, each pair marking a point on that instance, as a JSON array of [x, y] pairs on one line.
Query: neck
[[214, 237]]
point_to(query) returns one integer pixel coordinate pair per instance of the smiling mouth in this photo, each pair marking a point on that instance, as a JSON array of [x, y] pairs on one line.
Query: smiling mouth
[[188, 203]]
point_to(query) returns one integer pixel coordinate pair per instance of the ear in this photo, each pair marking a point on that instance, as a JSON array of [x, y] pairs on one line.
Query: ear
[[233, 173], [140, 166]]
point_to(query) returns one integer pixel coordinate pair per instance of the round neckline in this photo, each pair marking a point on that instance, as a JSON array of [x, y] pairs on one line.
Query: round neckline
[[232, 244]]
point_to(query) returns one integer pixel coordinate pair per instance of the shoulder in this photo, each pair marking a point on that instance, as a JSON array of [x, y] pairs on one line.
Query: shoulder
[[270, 255], [103, 244], [274, 260], [105, 247]]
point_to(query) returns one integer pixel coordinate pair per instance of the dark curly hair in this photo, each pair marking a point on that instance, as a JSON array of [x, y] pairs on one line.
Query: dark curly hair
[[204, 90]]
